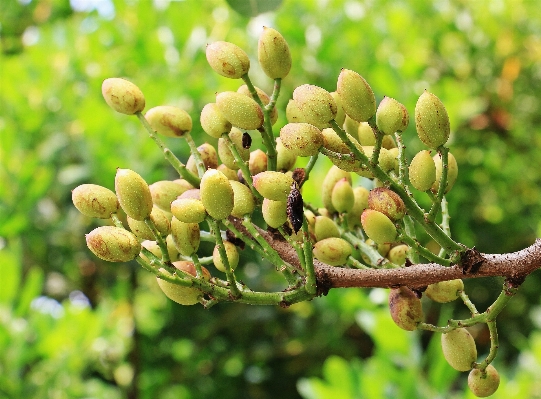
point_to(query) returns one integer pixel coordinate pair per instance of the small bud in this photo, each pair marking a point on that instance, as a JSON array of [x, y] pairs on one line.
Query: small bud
[[422, 171], [342, 196], [123, 96], [459, 349], [232, 256], [186, 236], [273, 185], [444, 291], [213, 121], [431, 120], [169, 121], [94, 201], [216, 194], [316, 104], [226, 156], [359, 205], [242, 111], [113, 244], [285, 159], [331, 178], [164, 192], [244, 203], [391, 116], [387, 202], [483, 385], [333, 251], [228, 59], [181, 294], [405, 307], [357, 96], [302, 139], [452, 172], [324, 227], [257, 162], [378, 227], [273, 54], [274, 212], [133, 194], [398, 254], [188, 210]]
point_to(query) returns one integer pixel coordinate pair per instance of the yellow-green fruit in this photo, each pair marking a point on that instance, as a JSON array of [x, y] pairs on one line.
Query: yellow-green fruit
[[216, 194], [133, 194], [160, 220], [232, 257], [244, 203], [274, 212], [387, 202], [333, 251], [340, 117], [360, 203], [393, 152], [285, 159], [398, 254], [483, 385], [445, 291], [242, 111], [191, 193], [294, 113], [208, 155], [113, 244], [431, 120], [213, 121], [331, 178], [388, 142], [386, 159], [459, 349], [342, 196], [273, 185], [123, 96], [273, 54], [264, 97], [405, 307], [169, 121], [324, 227], [228, 59], [383, 249], [302, 139], [366, 134], [186, 236], [163, 192], [153, 247], [333, 142], [188, 210], [316, 104], [452, 172], [391, 116], [378, 227], [94, 201], [229, 173], [257, 162], [422, 171], [226, 156], [357, 96], [181, 294], [351, 126]]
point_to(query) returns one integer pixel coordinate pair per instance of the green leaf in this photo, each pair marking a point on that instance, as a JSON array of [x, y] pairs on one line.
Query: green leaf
[[252, 8], [10, 272], [31, 289]]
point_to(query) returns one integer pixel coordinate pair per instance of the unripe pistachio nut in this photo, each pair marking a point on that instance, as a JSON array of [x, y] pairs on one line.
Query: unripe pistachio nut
[[293, 113], [391, 116], [316, 104], [378, 226], [422, 171], [273, 185], [257, 162], [186, 236], [324, 227], [209, 156], [366, 134], [188, 210], [216, 194], [160, 220], [398, 254], [459, 349], [285, 159], [431, 120], [340, 117], [452, 172], [405, 307], [228, 59], [357, 96], [133, 194], [359, 205], [123, 96], [331, 178], [244, 203], [232, 256], [333, 251], [264, 97], [169, 121], [226, 156], [351, 126], [302, 139], [342, 196], [113, 244], [273, 54], [94, 201], [229, 173], [387, 202], [483, 385], [213, 121], [181, 294], [163, 192], [242, 111], [445, 291]]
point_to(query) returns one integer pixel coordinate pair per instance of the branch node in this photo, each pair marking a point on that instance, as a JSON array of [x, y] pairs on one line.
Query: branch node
[[471, 260]]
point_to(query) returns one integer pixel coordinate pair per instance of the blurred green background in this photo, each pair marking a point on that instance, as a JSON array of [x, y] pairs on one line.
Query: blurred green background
[[72, 326]]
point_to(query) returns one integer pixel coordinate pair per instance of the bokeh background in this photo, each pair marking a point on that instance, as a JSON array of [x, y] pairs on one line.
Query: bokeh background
[[72, 326]]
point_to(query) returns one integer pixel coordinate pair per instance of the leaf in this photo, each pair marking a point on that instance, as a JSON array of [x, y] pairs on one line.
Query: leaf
[[252, 8]]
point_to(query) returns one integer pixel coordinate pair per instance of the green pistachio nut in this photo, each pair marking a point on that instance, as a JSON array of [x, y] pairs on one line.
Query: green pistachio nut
[[244, 202], [350, 126], [188, 210], [228, 59], [388, 142], [394, 154], [293, 113], [405, 307], [163, 192], [225, 154], [431, 120], [387, 202], [324, 227], [422, 171], [285, 158], [340, 117], [302, 139], [316, 104], [459, 349], [229, 173], [398, 254], [331, 178], [333, 142], [133, 194], [366, 134], [342, 196], [257, 162], [274, 212], [94, 201], [216, 194], [386, 159], [159, 218], [484, 384], [153, 247], [264, 97], [391, 116], [445, 291], [113, 244], [208, 155], [378, 226], [333, 251], [273, 54], [213, 121], [169, 121], [179, 293], [242, 111], [452, 172], [186, 236], [357, 96], [273, 185], [232, 257], [360, 203], [123, 96]]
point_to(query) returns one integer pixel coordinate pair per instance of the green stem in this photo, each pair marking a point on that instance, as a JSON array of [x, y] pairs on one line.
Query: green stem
[[494, 345], [443, 184], [402, 163], [354, 263], [376, 260], [469, 304], [200, 165], [308, 169], [116, 221], [425, 253], [158, 237], [409, 229], [197, 264], [311, 286]]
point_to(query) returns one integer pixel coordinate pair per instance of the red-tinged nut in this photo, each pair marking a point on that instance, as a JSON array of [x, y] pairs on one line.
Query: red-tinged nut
[[232, 257], [228, 59], [357, 96], [258, 162], [405, 307], [94, 201], [316, 105], [242, 111], [431, 120], [387, 202], [273, 185], [484, 384], [459, 349], [113, 244], [133, 194], [378, 226], [123, 96], [445, 291], [213, 121], [333, 251], [273, 54], [169, 121]]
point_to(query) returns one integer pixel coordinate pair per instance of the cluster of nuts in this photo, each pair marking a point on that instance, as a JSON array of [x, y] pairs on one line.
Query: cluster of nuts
[[356, 227]]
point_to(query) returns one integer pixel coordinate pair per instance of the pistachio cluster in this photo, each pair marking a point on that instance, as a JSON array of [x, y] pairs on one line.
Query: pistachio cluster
[[369, 216]]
